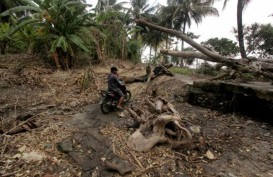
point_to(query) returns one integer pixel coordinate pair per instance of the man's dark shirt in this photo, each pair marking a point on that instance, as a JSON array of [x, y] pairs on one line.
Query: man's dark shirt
[[113, 83]]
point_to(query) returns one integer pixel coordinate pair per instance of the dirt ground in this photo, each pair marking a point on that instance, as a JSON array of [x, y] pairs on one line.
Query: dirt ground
[[65, 104]]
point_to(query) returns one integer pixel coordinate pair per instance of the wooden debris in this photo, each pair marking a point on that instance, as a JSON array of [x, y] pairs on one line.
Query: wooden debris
[[153, 131]]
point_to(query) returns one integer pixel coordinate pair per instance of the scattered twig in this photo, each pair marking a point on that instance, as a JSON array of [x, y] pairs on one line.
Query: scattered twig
[[4, 147], [141, 172], [137, 161]]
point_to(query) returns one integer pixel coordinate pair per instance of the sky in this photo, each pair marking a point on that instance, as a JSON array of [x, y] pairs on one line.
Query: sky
[[211, 26]]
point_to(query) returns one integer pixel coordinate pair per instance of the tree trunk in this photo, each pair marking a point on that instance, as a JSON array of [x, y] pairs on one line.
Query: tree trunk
[[3, 47], [182, 44], [56, 59], [240, 7], [123, 46], [242, 65], [191, 42]]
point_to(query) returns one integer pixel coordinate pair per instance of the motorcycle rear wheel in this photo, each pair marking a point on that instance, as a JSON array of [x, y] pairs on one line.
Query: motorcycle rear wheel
[[105, 106]]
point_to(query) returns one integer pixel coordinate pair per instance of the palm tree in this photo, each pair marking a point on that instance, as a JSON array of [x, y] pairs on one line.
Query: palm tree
[[188, 10], [240, 7], [141, 9], [109, 5], [112, 21]]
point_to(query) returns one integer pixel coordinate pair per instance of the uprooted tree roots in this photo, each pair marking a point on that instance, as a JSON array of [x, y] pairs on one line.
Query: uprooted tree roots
[[159, 123]]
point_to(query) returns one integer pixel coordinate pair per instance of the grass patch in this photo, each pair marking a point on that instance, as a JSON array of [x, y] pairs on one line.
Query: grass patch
[[183, 71], [249, 76]]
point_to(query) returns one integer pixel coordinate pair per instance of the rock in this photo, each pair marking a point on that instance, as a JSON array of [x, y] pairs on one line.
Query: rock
[[32, 156], [73, 104], [264, 126], [120, 165], [66, 145], [121, 115], [249, 122], [210, 155], [85, 161], [195, 129]]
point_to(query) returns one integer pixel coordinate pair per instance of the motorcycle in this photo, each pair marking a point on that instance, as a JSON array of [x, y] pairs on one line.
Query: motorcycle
[[110, 100]]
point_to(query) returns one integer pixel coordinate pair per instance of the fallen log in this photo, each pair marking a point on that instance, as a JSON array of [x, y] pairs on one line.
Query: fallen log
[[158, 71], [241, 65]]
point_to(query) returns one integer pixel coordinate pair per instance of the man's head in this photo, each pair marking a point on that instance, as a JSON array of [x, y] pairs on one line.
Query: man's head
[[114, 70]]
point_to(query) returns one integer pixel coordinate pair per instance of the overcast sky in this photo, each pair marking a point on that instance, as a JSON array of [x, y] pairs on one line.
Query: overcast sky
[[257, 11]]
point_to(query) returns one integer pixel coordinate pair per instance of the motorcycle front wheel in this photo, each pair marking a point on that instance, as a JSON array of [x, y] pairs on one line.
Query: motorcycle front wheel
[[105, 106], [127, 96]]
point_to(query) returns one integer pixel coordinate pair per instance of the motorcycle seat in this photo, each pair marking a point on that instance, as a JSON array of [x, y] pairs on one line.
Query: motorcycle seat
[[104, 92]]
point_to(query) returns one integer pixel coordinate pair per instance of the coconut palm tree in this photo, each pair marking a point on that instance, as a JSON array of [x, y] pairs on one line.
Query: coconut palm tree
[[240, 7], [186, 11], [141, 9], [109, 5]]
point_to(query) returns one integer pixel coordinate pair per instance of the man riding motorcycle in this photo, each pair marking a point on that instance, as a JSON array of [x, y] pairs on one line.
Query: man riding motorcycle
[[114, 84]]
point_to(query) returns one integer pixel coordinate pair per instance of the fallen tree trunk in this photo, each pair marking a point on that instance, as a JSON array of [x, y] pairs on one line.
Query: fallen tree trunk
[[241, 65], [158, 70]]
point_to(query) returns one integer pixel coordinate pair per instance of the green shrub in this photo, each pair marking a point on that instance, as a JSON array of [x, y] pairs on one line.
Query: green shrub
[[248, 76], [183, 71], [207, 69]]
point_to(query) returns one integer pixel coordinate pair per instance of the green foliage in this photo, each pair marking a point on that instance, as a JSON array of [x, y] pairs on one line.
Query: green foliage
[[186, 11], [134, 50], [248, 76], [61, 24], [266, 36], [18, 43], [259, 39], [224, 46], [183, 71], [207, 69]]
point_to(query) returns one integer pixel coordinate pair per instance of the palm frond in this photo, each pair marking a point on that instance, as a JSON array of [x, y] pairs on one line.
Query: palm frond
[[19, 9], [15, 28]]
